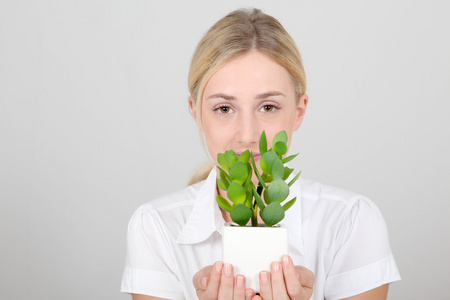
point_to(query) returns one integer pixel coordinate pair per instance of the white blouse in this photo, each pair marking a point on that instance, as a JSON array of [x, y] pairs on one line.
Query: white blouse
[[338, 235]]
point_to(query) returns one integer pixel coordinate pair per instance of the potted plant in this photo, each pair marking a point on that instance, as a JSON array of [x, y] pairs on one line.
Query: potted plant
[[248, 245]]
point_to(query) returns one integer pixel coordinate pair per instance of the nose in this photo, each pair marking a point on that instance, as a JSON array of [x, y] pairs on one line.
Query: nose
[[247, 131]]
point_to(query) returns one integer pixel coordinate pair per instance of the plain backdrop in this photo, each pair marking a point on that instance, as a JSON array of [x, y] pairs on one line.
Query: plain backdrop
[[94, 122]]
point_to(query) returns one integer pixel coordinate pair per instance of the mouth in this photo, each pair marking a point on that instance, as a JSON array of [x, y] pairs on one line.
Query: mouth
[[256, 156]]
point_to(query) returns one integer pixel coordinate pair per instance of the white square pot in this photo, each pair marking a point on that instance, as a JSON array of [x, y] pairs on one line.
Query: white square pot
[[252, 249]]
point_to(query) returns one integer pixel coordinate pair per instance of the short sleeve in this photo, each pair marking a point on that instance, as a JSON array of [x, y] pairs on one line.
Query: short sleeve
[[363, 258], [149, 268]]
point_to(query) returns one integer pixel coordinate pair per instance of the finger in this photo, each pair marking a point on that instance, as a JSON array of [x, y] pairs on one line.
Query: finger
[[291, 279], [305, 276], [213, 284], [249, 294], [200, 278], [226, 283], [265, 287], [239, 288], [278, 285]]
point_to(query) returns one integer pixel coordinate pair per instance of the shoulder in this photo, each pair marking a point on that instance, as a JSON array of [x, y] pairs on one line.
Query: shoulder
[[175, 200], [334, 203], [170, 210], [316, 193]]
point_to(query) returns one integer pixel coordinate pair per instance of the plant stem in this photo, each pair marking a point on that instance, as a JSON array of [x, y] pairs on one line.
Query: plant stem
[[255, 216]]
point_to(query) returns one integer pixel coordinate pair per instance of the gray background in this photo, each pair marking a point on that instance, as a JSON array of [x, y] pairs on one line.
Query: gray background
[[94, 122]]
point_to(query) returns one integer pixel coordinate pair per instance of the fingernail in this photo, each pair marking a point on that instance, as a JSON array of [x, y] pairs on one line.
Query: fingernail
[[286, 260], [227, 270], [248, 294], [204, 282], [240, 281], [218, 266], [275, 266], [264, 277]]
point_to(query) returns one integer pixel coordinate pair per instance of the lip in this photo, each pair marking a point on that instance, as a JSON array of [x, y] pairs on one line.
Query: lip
[[256, 156]]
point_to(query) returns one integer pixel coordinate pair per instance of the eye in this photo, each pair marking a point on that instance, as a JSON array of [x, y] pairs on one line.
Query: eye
[[268, 108], [223, 109]]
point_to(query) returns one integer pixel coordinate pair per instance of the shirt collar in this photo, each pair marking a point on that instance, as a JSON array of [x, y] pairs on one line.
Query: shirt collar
[[206, 217]]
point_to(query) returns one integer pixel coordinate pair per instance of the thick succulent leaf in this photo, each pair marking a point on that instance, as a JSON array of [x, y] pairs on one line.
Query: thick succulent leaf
[[294, 179], [248, 182], [239, 172], [288, 204], [289, 158], [277, 170], [263, 143], [236, 193], [280, 148], [231, 157], [245, 156], [222, 161], [224, 176], [258, 199], [260, 179], [266, 197], [278, 190], [224, 203], [267, 160], [287, 172], [221, 185], [241, 214], [272, 214], [280, 137], [249, 200]]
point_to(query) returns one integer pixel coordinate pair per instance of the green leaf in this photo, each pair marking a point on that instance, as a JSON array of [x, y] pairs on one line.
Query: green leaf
[[239, 172], [263, 143], [245, 156], [287, 205], [266, 197], [277, 170], [231, 157], [222, 161], [287, 172], [236, 193], [294, 179], [278, 190], [224, 203], [224, 176], [272, 214], [258, 199], [248, 202], [267, 160], [221, 184], [280, 148], [241, 214], [261, 181], [280, 137], [248, 182], [289, 158]]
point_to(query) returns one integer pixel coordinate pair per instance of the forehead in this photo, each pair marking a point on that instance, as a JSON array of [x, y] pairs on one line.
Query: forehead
[[250, 73]]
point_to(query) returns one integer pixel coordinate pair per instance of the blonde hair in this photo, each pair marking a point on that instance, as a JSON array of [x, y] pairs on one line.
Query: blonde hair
[[237, 33]]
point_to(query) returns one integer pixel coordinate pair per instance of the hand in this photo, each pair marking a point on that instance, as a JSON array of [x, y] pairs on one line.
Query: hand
[[286, 281], [218, 282]]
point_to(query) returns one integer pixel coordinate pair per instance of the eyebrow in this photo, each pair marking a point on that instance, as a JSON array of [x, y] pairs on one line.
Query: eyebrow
[[269, 94], [258, 97]]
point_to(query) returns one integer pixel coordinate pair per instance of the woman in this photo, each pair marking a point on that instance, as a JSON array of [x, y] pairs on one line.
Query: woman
[[246, 76]]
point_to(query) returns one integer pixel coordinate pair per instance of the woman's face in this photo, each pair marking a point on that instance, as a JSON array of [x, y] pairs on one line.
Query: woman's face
[[249, 94]]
